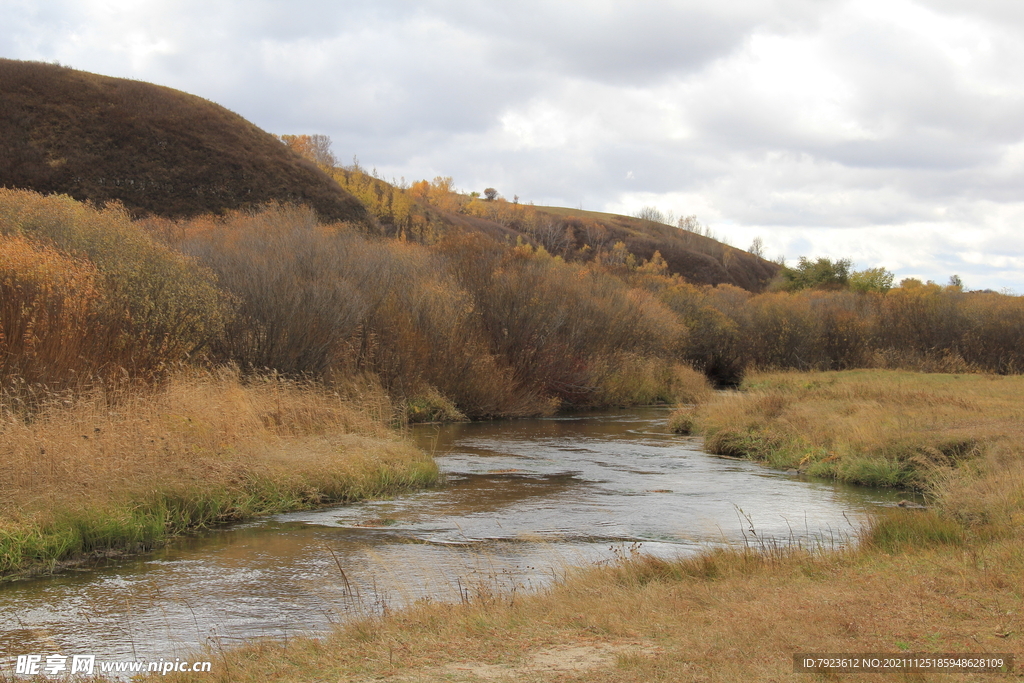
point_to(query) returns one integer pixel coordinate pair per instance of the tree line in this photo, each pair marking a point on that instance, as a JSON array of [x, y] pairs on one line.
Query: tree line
[[468, 323]]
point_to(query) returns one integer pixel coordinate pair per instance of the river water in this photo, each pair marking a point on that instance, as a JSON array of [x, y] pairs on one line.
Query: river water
[[525, 500]]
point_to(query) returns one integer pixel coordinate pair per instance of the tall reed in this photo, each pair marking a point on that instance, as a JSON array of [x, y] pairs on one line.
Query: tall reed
[[123, 468]]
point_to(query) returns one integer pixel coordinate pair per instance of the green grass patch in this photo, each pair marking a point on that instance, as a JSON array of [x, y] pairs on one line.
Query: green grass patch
[[897, 530], [73, 534]]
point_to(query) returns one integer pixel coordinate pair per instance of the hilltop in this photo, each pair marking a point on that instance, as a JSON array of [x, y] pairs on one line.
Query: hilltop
[[157, 150]]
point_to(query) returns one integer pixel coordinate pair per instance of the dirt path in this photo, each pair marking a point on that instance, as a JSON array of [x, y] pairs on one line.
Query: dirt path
[[542, 665]]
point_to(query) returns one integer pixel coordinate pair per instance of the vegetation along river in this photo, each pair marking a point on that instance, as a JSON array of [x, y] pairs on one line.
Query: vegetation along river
[[525, 500]]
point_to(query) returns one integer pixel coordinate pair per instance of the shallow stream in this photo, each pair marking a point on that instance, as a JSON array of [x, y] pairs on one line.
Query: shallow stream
[[525, 500]]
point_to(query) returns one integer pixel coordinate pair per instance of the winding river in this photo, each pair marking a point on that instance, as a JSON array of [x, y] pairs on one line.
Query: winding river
[[525, 500]]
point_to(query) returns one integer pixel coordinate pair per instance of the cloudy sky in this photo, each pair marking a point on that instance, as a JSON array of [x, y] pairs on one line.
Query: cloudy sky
[[890, 132]]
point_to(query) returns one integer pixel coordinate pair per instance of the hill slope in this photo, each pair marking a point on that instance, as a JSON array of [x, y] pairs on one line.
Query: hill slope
[[158, 150], [700, 259], [164, 152], [427, 210]]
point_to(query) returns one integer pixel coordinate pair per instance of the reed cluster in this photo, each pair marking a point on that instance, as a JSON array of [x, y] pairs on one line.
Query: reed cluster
[[122, 469]]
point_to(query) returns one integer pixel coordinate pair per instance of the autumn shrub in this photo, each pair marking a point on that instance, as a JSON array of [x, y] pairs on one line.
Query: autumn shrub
[[153, 308], [554, 323], [995, 328], [922, 319], [922, 327], [47, 302], [301, 291], [716, 343], [810, 329], [329, 301]]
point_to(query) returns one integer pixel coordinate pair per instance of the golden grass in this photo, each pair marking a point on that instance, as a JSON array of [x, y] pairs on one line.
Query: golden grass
[[889, 428], [631, 379], [122, 471], [724, 616]]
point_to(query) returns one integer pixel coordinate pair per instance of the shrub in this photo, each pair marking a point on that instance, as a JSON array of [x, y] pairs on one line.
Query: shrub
[[48, 301], [156, 307]]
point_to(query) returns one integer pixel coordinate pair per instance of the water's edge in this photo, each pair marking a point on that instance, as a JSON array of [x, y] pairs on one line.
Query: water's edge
[[525, 500]]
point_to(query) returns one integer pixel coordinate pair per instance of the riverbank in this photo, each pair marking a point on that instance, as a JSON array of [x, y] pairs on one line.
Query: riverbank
[[725, 616], [872, 427], [114, 472], [940, 580]]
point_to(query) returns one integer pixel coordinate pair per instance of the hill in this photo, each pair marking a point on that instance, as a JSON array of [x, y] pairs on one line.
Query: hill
[[427, 210], [157, 150], [163, 152], [698, 258]]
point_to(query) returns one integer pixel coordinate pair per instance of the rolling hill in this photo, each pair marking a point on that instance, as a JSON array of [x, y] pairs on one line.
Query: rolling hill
[[157, 150]]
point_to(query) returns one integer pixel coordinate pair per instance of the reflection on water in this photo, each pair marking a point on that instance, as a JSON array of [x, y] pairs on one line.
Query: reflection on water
[[525, 499]]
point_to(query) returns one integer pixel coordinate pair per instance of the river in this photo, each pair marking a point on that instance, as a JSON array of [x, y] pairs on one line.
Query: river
[[525, 500]]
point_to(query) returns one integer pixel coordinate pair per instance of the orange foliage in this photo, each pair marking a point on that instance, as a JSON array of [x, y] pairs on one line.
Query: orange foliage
[[151, 307], [47, 301]]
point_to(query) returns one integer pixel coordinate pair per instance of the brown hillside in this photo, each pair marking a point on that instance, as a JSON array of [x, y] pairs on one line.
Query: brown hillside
[[699, 259], [427, 211], [157, 150]]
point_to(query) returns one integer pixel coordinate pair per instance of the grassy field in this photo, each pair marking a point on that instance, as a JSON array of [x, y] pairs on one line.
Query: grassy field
[[876, 427], [123, 471], [939, 580]]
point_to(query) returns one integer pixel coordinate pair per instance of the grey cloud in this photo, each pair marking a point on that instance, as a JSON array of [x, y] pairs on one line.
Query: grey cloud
[[629, 44]]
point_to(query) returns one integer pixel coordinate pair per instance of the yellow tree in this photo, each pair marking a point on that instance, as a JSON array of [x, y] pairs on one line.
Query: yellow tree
[[316, 148]]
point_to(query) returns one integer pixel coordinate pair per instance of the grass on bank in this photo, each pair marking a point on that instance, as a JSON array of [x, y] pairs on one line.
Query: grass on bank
[[123, 472], [874, 427], [943, 579], [723, 616]]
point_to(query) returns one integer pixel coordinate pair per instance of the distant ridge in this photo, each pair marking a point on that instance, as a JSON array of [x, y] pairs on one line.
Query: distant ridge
[[700, 259], [157, 150]]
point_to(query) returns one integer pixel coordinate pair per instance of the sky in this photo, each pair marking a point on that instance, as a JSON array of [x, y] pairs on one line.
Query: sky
[[889, 132]]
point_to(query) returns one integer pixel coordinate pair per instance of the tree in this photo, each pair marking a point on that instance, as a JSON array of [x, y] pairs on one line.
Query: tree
[[871, 280], [955, 282], [316, 148], [490, 194], [757, 247], [823, 273], [691, 224], [650, 213]]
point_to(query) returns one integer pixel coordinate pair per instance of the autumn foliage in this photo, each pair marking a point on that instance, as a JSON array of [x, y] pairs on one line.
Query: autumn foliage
[[86, 294], [497, 331], [462, 323]]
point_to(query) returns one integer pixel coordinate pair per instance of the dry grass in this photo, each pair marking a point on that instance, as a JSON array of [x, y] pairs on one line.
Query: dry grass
[[889, 428], [724, 616], [121, 471]]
